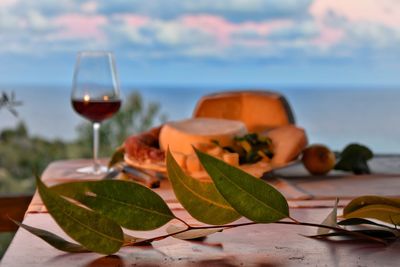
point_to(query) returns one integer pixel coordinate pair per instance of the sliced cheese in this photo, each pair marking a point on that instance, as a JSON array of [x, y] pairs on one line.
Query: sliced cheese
[[193, 163], [288, 142], [180, 136], [231, 158], [180, 159], [215, 152]]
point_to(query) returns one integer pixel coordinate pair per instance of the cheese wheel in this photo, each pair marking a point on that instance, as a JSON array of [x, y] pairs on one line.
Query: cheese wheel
[[179, 136], [258, 110]]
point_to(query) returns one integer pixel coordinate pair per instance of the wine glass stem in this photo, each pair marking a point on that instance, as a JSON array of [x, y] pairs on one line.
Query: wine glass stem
[[96, 164]]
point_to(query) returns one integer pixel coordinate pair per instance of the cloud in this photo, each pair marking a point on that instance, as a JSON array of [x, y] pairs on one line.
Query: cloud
[[89, 7], [233, 10], [73, 26], [192, 36], [383, 12], [356, 32], [7, 3], [213, 31]]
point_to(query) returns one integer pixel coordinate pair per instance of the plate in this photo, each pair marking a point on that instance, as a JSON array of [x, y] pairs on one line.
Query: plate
[[257, 169]]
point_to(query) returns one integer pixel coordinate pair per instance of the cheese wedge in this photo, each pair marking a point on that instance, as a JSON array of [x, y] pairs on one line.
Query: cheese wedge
[[180, 136], [288, 143], [258, 110]]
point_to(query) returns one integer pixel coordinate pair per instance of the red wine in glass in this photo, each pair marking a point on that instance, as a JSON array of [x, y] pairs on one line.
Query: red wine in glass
[[95, 95], [96, 111]]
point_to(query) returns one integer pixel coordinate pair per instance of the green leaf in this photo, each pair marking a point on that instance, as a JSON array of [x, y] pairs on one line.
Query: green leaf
[[385, 213], [248, 195], [54, 240], [363, 201], [359, 221], [117, 156], [380, 236], [130, 204], [354, 158], [92, 230], [330, 220], [202, 200], [192, 233]]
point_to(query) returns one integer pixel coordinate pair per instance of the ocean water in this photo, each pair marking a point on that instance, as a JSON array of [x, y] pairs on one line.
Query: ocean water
[[334, 117]]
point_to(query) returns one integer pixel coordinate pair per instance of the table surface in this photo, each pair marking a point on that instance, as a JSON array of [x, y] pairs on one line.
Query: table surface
[[255, 245]]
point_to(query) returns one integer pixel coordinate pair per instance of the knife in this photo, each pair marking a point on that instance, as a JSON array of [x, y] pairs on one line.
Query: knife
[[149, 180]]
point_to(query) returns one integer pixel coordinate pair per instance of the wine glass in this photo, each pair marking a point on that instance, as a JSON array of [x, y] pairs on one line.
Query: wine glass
[[95, 95]]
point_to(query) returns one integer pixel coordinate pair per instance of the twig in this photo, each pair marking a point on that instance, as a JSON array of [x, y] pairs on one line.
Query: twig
[[157, 238], [185, 223], [229, 226], [9, 103]]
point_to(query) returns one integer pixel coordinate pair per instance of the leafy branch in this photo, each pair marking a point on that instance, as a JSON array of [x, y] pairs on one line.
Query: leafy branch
[[110, 205], [10, 103], [217, 228]]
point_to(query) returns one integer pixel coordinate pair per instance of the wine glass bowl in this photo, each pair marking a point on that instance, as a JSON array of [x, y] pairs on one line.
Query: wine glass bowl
[[95, 95], [96, 110]]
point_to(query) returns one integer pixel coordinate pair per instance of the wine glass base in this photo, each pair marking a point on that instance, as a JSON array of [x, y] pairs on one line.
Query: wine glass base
[[92, 170]]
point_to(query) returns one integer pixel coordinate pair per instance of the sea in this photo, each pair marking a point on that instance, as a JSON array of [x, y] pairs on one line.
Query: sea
[[331, 116]]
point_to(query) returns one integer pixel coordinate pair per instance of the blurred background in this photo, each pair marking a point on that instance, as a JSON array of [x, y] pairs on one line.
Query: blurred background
[[336, 61]]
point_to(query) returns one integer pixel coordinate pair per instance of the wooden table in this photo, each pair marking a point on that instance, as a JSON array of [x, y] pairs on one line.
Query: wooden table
[[256, 245]]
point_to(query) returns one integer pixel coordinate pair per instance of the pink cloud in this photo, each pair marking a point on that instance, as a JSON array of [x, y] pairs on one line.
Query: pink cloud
[[214, 25], [385, 12], [223, 30], [134, 20], [7, 3], [328, 36], [90, 6], [80, 26]]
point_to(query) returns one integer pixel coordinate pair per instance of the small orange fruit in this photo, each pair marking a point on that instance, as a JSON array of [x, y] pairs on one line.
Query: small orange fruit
[[318, 159]]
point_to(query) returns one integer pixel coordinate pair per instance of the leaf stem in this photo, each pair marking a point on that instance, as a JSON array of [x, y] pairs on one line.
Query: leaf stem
[[293, 222], [185, 223], [338, 229], [156, 238]]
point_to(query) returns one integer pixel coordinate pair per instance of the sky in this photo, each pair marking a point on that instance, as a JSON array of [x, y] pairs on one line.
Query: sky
[[318, 43]]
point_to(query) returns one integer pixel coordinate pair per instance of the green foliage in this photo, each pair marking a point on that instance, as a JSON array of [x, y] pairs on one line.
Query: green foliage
[[251, 147], [109, 205], [359, 221], [90, 229], [52, 239], [5, 239], [382, 208], [134, 117], [363, 201], [9, 102], [97, 225], [21, 153], [386, 213], [384, 236], [117, 156], [354, 159], [248, 195], [200, 199], [135, 206]]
